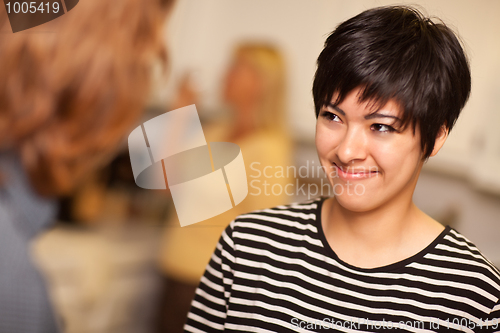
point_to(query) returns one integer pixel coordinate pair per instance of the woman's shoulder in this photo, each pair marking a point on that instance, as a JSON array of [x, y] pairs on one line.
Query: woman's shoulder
[[305, 210], [456, 245], [460, 257], [291, 220]]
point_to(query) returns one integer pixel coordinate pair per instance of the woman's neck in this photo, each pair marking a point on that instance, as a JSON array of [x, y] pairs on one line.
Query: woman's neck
[[378, 237]]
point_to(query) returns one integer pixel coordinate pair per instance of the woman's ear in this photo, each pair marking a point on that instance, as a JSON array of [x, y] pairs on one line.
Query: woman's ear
[[440, 139]]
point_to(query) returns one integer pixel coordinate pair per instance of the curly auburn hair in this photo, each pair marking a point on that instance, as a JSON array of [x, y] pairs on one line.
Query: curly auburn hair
[[69, 96]]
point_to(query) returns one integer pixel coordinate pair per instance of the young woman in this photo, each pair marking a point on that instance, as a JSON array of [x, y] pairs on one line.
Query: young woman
[[389, 87]]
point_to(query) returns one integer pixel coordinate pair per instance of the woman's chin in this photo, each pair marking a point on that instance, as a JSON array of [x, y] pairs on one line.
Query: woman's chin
[[355, 203]]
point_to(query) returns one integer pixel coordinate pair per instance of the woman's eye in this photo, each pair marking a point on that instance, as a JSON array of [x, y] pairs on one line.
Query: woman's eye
[[383, 128], [330, 116]]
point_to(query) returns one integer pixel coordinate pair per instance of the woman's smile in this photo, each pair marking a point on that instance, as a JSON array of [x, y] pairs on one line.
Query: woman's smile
[[354, 173]]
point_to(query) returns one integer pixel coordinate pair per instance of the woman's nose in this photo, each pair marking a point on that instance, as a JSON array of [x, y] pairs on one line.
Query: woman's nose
[[352, 147]]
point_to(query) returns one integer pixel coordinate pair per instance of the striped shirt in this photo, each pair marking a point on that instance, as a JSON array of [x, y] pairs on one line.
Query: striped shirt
[[273, 271]]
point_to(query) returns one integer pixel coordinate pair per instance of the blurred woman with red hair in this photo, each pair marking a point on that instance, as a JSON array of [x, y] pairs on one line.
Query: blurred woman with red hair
[[67, 98]]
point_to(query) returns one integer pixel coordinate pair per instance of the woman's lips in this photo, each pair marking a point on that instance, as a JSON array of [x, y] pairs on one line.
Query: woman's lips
[[354, 173]]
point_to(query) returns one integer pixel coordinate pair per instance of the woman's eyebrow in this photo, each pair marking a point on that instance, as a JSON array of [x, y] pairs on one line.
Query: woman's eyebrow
[[375, 114], [336, 108], [381, 115]]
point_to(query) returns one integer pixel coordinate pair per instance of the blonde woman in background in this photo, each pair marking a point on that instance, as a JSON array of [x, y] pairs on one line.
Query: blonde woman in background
[[254, 91], [67, 98]]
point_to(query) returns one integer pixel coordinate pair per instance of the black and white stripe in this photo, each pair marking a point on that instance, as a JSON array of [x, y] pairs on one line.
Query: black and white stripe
[[273, 271]]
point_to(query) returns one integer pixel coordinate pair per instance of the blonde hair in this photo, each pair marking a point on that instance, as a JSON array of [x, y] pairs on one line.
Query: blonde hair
[[67, 98], [269, 64]]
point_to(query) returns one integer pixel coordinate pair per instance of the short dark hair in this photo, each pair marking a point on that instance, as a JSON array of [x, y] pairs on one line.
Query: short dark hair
[[395, 53]]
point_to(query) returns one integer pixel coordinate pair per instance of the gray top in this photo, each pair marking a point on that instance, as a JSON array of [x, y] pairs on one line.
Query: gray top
[[24, 302]]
